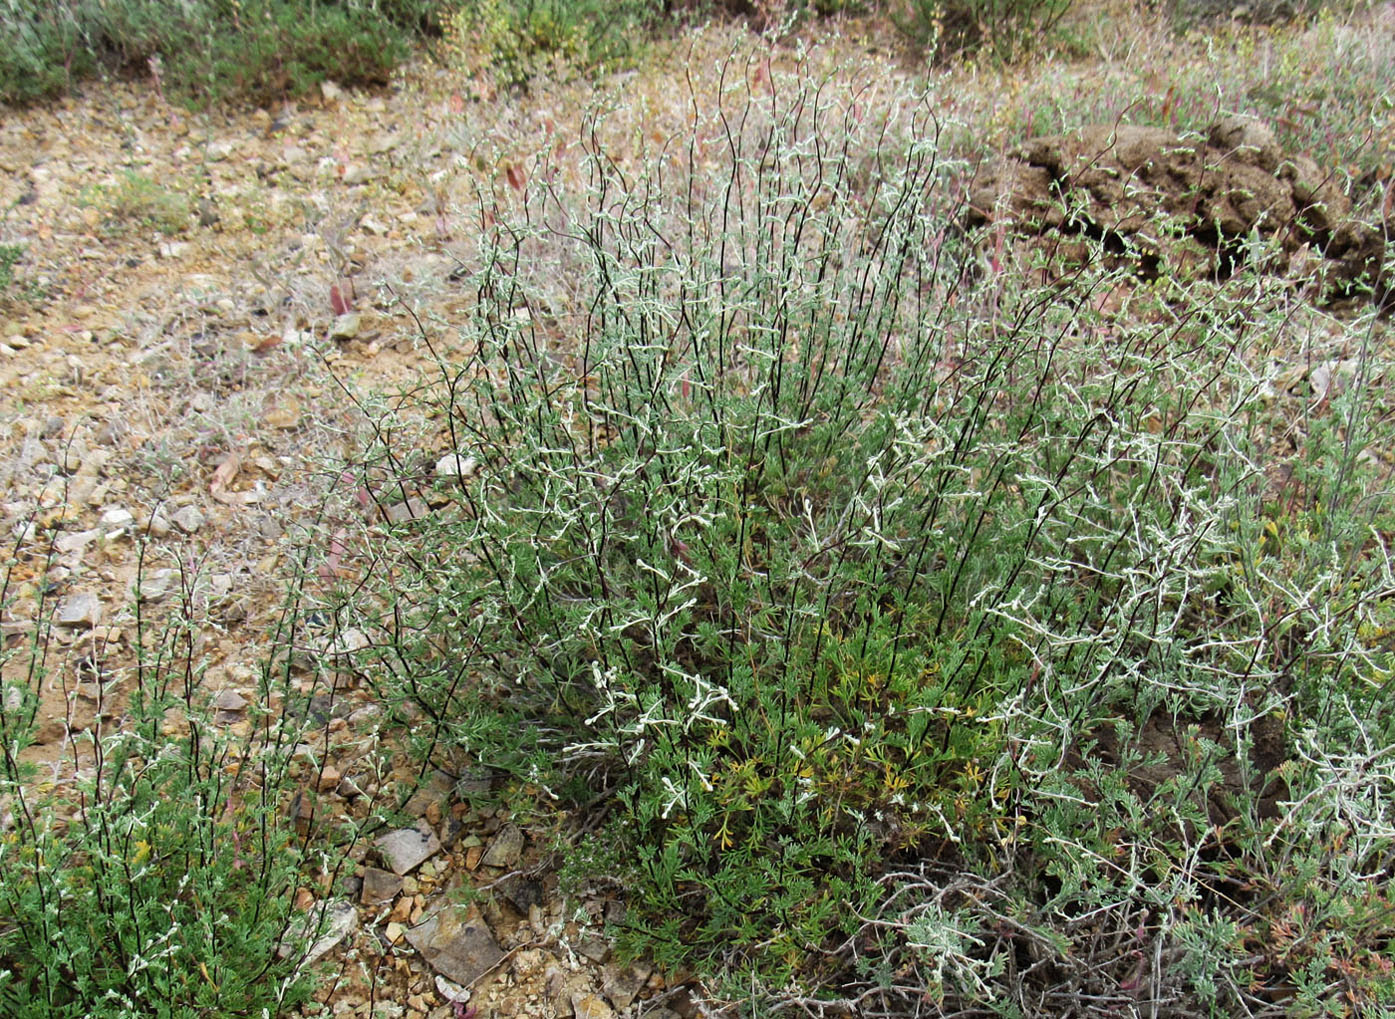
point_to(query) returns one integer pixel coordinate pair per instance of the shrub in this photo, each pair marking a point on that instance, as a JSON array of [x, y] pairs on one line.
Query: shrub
[[1004, 29], [1191, 13], [41, 50], [208, 49], [885, 609], [895, 619], [514, 40], [152, 871]]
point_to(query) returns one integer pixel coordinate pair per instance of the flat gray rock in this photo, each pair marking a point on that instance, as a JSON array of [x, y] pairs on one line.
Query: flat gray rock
[[75, 541], [229, 700], [459, 951], [379, 886], [117, 521], [188, 519], [506, 848], [333, 921], [82, 608], [412, 509], [622, 984], [153, 585], [407, 848], [595, 949]]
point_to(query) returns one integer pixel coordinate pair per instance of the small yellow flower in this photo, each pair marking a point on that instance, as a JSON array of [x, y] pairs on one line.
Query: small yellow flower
[[974, 774]]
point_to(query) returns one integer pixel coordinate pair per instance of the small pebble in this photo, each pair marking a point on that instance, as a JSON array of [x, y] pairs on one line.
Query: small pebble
[[345, 327]]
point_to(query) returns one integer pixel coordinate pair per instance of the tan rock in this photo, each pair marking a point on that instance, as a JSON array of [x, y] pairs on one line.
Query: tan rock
[[591, 1006]]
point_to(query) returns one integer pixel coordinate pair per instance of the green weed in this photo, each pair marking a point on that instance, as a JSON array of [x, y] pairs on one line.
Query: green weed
[[10, 255], [207, 50], [515, 40], [1003, 29], [151, 870], [138, 198]]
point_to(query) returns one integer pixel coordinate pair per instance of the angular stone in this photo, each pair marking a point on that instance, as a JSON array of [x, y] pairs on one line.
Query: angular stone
[[434, 790], [92, 464], [188, 519], [461, 951], [412, 509], [153, 585], [401, 911], [117, 520], [506, 848], [590, 1006], [229, 700], [83, 608], [349, 641], [594, 949], [561, 988], [451, 991], [75, 541], [332, 921], [474, 783], [622, 984], [345, 327], [379, 886], [456, 465], [521, 892], [301, 812], [405, 849], [283, 414]]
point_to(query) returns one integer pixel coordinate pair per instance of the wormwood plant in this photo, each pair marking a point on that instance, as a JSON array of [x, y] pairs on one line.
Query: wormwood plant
[[910, 632], [150, 870]]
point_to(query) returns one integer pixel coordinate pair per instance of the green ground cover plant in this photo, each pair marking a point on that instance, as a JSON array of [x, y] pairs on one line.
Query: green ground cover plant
[[516, 40], [207, 50], [906, 632], [10, 254], [260, 50], [136, 199], [150, 870], [1002, 29]]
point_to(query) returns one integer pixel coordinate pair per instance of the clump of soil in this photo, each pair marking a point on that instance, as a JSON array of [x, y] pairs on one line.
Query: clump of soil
[[1163, 203]]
